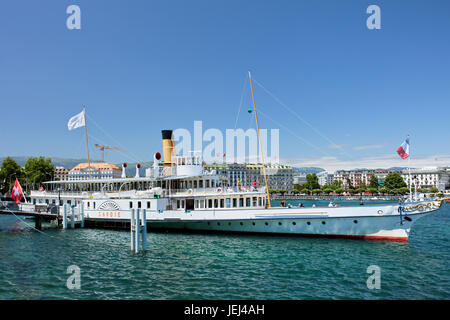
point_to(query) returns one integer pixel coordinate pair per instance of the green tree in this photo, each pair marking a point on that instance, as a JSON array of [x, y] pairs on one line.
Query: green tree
[[312, 182], [336, 184], [434, 190], [38, 170], [394, 181], [349, 184], [9, 171], [372, 190], [339, 190], [403, 190], [374, 182]]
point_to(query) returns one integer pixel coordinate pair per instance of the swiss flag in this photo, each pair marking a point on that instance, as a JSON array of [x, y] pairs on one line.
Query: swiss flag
[[16, 192]]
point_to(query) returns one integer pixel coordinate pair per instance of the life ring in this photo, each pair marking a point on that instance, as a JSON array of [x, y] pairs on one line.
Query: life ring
[[380, 212], [219, 190]]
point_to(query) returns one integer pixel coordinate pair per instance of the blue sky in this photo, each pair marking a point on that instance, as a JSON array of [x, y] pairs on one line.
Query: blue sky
[[143, 66]]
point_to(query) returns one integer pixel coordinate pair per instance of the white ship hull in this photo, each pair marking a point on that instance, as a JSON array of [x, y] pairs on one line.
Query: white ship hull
[[360, 222]]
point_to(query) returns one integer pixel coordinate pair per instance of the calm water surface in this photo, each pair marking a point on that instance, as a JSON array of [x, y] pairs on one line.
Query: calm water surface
[[33, 265]]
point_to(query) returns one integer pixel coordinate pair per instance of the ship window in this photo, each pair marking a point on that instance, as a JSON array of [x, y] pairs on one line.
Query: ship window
[[247, 202], [241, 202], [88, 203], [234, 202], [255, 199], [207, 183], [210, 203], [131, 205], [148, 204], [139, 204], [216, 203], [196, 204], [182, 203], [228, 202], [200, 184], [178, 203], [259, 202], [195, 184], [221, 203]]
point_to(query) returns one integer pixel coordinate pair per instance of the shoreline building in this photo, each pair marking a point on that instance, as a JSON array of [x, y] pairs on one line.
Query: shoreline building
[[355, 177], [428, 177], [100, 170], [325, 178], [60, 173], [279, 176]]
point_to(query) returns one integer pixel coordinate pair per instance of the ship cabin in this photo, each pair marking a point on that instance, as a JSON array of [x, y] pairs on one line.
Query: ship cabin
[[183, 185]]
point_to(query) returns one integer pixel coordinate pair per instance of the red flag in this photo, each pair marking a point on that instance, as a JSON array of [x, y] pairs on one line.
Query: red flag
[[16, 192]]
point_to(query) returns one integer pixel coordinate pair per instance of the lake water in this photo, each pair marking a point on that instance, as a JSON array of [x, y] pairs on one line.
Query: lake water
[[33, 265]]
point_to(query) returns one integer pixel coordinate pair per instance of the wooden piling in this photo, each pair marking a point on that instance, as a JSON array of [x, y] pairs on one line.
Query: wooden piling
[[65, 216]]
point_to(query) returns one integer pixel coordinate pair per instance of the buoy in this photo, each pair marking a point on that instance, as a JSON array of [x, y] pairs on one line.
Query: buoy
[[249, 110]]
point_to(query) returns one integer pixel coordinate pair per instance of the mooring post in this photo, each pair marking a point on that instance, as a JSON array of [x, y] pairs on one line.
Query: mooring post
[[138, 231], [132, 231], [72, 218], [82, 214], [65, 216], [38, 222], [144, 230]]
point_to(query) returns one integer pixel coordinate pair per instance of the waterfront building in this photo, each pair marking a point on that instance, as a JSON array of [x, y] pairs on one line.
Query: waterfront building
[[278, 176], [299, 178], [99, 170], [60, 173], [325, 178], [381, 175], [355, 177], [428, 177]]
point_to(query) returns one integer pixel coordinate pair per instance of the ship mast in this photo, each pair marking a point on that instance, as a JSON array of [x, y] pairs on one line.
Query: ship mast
[[259, 139]]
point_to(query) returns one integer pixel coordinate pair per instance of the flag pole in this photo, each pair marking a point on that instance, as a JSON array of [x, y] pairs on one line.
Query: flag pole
[[87, 145], [409, 170]]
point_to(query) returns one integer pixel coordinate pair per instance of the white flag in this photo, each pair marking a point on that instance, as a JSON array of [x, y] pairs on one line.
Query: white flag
[[77, 121]]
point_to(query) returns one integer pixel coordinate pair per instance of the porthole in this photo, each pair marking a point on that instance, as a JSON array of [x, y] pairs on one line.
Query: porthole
[[323, 222], [294, 223], [279, 223], [218, 223], [229, 223], [308, 223], [209, 223], [355, 221], [266, 223], [253, 223], [242, 224]]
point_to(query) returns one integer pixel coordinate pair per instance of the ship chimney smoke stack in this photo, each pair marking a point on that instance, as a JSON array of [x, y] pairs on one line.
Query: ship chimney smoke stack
[[168, 147]]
